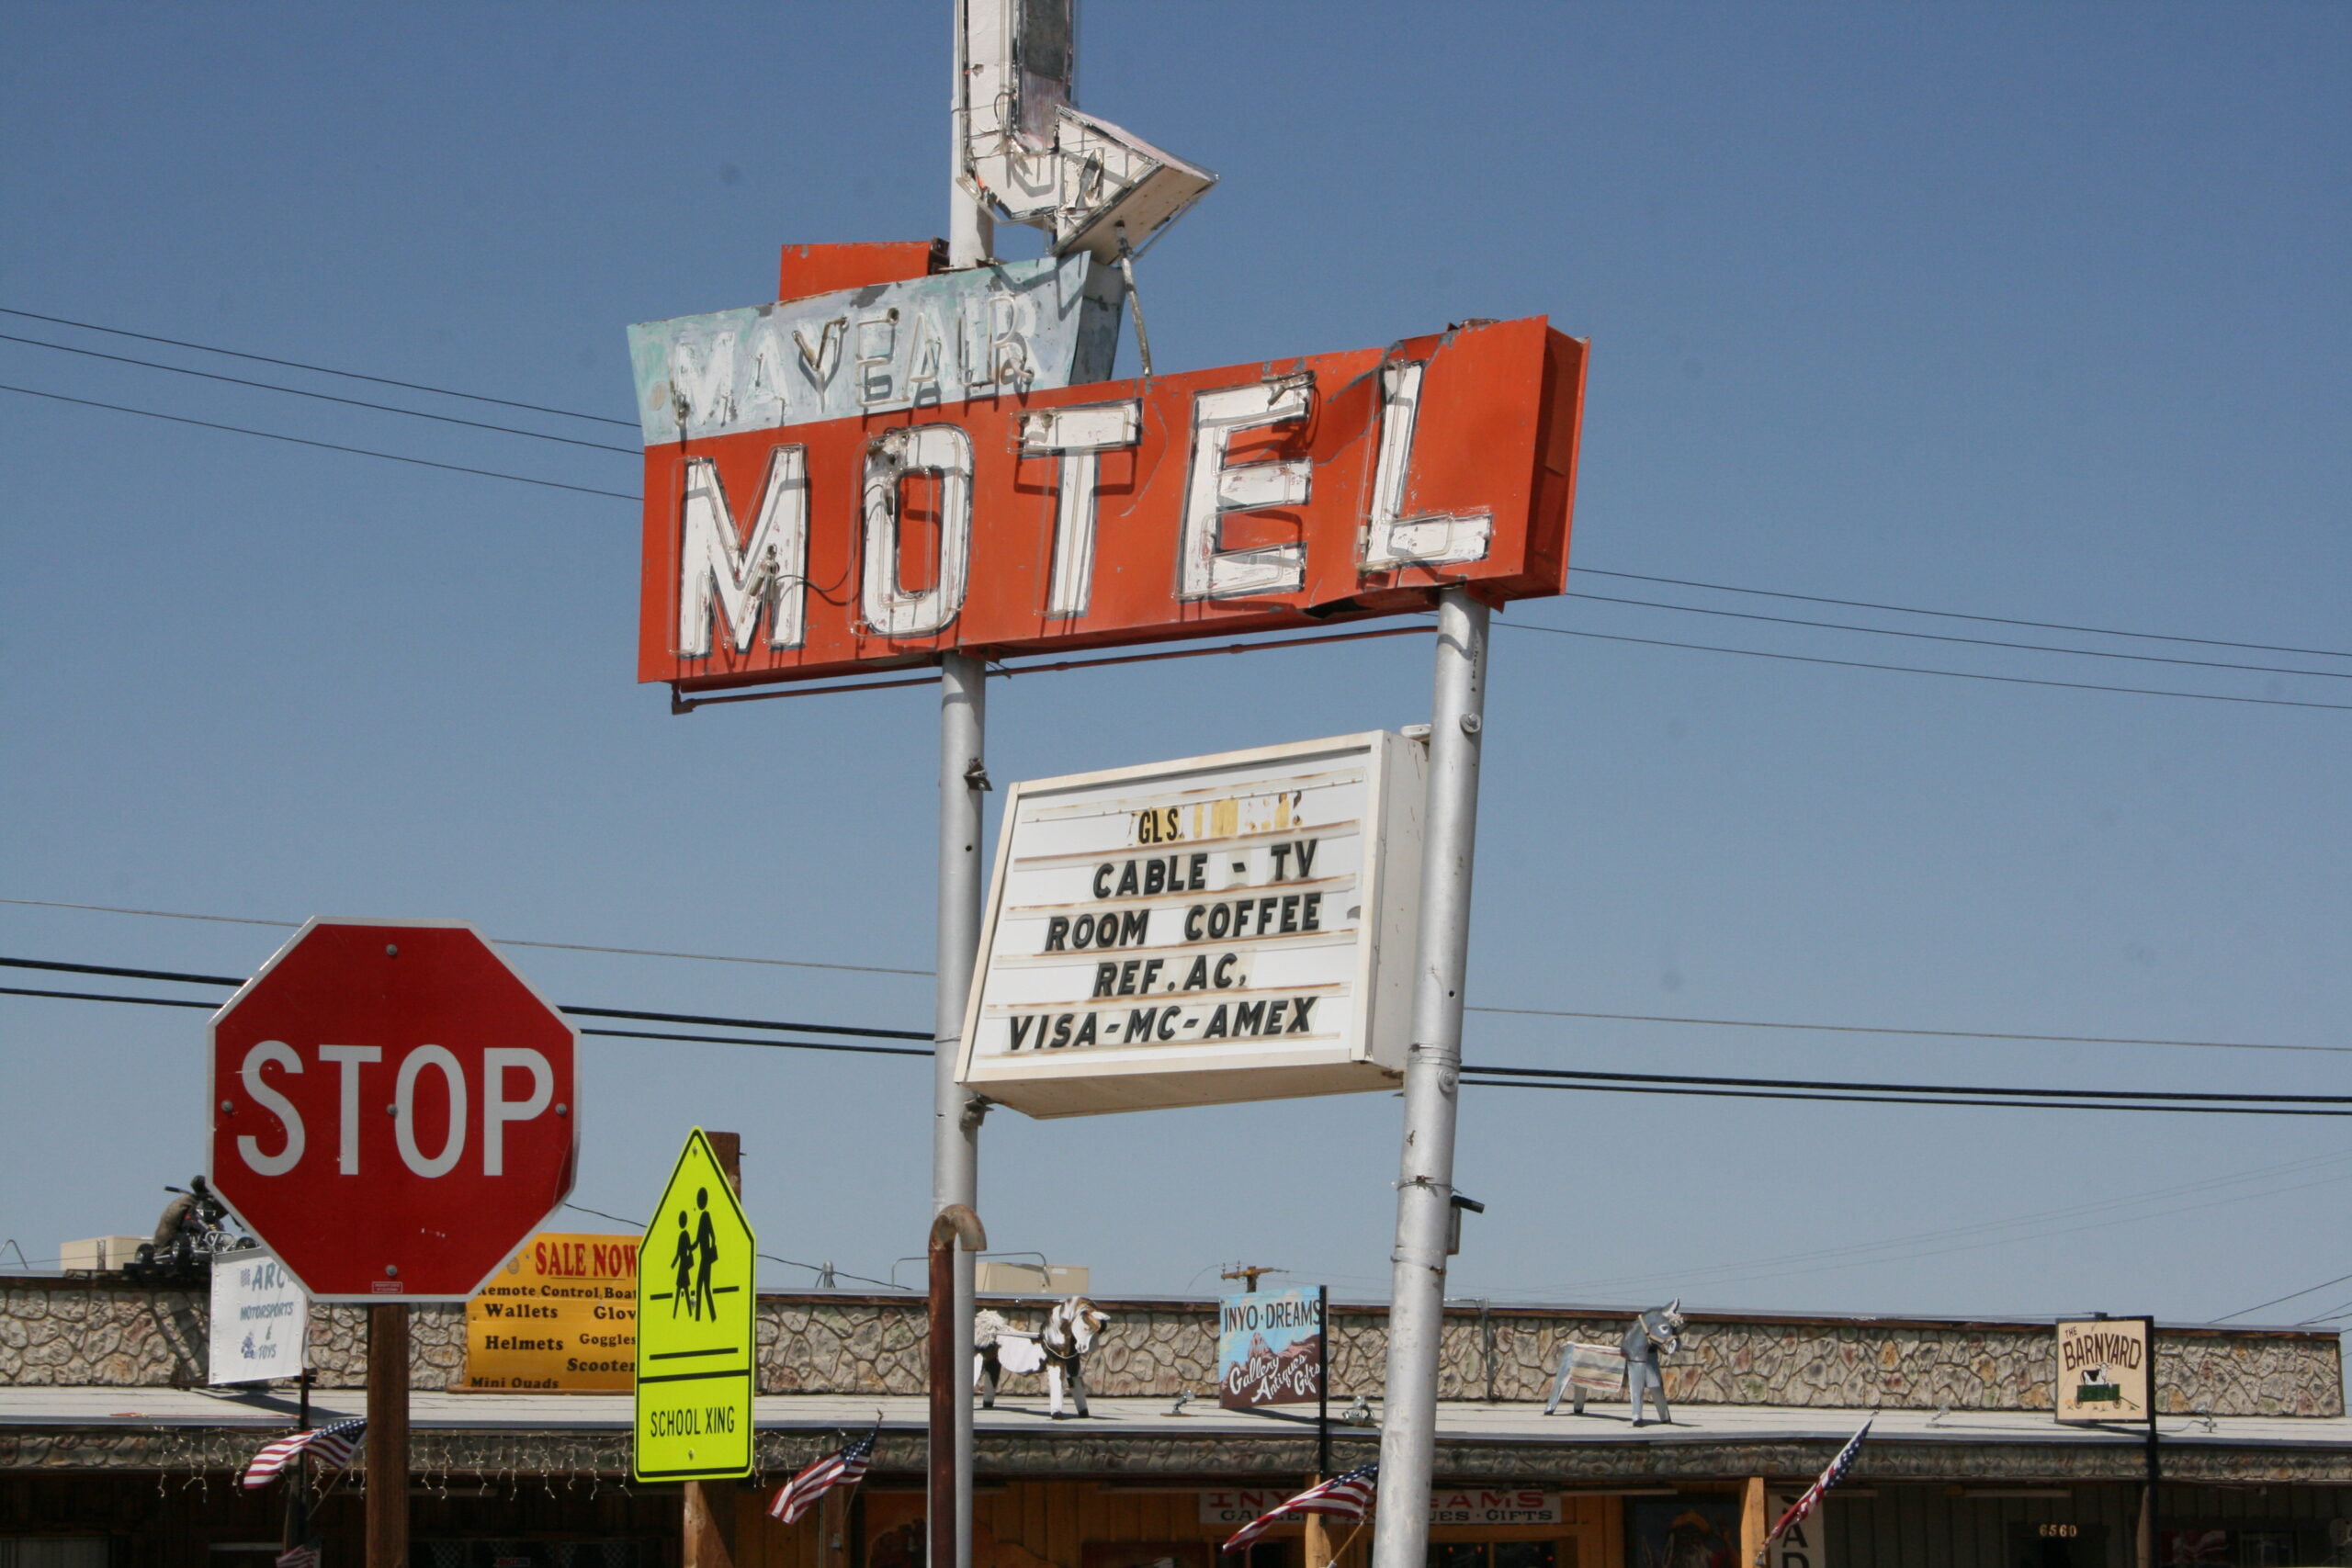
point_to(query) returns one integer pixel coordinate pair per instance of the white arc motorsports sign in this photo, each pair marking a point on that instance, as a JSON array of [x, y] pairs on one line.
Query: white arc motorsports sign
[[1203, 931]]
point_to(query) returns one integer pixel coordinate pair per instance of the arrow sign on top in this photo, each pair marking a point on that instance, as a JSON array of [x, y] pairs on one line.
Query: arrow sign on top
[[1036, 159]]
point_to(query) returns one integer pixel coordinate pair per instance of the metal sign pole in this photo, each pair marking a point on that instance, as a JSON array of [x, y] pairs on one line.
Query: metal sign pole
[[955, 1134], [963, 727], [1322, 1382], [1432, 1083], [2150, 1510]]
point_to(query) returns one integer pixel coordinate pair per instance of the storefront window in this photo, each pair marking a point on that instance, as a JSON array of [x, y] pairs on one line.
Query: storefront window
[[2057, 1543], [1494, 1554], [53, 1552]]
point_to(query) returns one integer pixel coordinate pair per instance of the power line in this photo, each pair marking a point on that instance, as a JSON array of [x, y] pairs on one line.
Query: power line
[[1517, 625], [319, 369], [1905, 1100], [1894, 1250], [1909, 1087], [2288, 1297], [322, 397], [1960, 616], [326, 446], [1915, 669], [1882, 1029], [501, 940], [2217, 1101], [1972, 641], [611, 1033], [1503, 1012], [106, 997], [1591, 571], [781, 1045], [2072, 1212], [749, 1023], [821, 1269], [233, 981]]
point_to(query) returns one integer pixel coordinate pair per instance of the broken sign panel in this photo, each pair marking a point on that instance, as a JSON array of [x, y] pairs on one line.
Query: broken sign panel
[[1004, 328]]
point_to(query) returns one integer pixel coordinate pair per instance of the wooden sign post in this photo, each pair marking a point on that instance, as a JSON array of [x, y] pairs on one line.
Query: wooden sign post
[[388, 1435], [708, 1518]]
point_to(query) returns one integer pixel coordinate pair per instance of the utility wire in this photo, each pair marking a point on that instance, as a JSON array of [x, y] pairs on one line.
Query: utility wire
[[2288, 1297], [1948, 636], [501, 940], [778, 1045], [1915, 669], [322, 397], [2160, 1101], [324, 446], [1885, 1254], [1960, 616], [1906, 1088], [1517, 625], [233, 981], [612, 1034], [1851, 1252], [1590, 572], [1906, 1099], [818, 1269], [319, 369], [1503, 1012], [1881, 1029]]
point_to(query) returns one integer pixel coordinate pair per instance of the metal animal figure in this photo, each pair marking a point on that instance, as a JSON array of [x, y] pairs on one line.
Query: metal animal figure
[[1069, 1333], [1597, 1368], [998, 1347], [1655, 1334]]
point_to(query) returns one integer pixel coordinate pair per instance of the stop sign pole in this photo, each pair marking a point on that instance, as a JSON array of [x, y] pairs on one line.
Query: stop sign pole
[[393, 1111]]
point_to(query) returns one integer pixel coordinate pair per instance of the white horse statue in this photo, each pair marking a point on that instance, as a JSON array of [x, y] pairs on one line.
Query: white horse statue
[[1068, 1338], [1060, 1350], [998, 1347]]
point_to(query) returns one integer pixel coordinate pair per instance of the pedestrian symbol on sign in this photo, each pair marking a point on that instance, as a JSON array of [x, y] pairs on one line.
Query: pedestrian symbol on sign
[[693, 1259]]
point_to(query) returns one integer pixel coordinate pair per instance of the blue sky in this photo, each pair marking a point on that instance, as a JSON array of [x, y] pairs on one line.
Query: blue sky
[[2027, 311]]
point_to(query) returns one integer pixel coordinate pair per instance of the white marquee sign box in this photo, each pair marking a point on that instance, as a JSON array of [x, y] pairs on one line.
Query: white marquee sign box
[[1203, 931]]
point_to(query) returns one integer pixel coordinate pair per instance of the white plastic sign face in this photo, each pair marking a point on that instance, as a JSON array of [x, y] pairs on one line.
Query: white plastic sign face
[[1203, 931], [260, 1321]]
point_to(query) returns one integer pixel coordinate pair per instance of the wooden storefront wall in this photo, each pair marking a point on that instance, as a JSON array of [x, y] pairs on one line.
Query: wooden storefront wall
[[1052, 1524]]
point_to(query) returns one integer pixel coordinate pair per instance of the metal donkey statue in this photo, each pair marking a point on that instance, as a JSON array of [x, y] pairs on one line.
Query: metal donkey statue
[[1595, 1368]]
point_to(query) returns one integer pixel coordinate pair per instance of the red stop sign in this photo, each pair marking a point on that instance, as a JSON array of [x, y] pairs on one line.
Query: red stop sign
[[393, 1108]]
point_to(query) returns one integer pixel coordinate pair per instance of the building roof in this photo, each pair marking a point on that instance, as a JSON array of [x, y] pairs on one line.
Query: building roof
[[1458, 1421]]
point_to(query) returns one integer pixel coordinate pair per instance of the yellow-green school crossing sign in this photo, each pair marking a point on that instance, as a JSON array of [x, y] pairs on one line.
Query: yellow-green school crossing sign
[[695, 1307]]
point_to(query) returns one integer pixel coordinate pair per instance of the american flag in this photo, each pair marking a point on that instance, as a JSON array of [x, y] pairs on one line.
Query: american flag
[[843, 1467], [1813, 1494], [333, 1445], [1347, 1496]]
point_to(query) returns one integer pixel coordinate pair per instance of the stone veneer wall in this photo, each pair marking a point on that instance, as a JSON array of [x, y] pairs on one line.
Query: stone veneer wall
[[107, 1333]]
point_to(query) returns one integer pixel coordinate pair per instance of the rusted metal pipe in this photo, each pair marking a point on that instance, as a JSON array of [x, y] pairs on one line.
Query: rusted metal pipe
[[950, 1383]]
